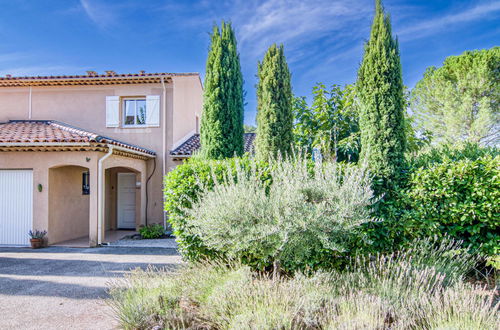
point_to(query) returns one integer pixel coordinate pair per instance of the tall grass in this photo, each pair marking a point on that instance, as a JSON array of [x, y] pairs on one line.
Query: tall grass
[[420, 288]]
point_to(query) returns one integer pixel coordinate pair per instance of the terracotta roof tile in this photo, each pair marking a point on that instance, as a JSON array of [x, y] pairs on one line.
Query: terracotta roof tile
[[17, 132], [192, 144], [109, 78]]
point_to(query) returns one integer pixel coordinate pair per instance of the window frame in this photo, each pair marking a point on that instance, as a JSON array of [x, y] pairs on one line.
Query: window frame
[[124, 113]]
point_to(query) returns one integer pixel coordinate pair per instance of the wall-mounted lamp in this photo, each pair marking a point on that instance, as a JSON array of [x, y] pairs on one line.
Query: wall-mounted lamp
[[40, 188]]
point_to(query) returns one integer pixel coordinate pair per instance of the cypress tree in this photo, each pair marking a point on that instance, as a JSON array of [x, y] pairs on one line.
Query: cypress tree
[[382, 103], [274, 105], [221, 131]]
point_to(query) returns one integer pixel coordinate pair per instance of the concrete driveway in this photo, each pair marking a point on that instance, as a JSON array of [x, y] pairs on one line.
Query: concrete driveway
[[65, 288]]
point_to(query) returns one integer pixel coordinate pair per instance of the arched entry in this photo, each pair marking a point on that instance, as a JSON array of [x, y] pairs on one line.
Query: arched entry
[[122, 202], [69, 204]]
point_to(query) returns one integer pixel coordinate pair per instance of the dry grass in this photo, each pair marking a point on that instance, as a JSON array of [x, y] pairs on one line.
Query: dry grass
[[400, 291]]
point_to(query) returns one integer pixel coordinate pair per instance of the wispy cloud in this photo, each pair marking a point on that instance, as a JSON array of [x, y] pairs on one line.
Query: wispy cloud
[[431, 26], [98, 12]]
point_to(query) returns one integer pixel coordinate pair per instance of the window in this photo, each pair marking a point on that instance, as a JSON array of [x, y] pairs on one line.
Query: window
[[85, 183], [134, 111]]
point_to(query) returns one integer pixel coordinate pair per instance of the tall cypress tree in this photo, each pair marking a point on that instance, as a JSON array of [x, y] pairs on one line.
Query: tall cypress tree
[[274, 105], [221, 131], [382, 103]]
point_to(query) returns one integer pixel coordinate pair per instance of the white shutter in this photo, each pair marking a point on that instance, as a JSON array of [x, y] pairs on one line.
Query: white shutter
[[153, 110], [112, 111]]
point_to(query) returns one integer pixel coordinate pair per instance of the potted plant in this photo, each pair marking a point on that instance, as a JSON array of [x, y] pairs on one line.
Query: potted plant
[[36, 238]]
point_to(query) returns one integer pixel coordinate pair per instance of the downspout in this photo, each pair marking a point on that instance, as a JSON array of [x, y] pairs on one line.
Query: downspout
[[29, 105], [164, 147], [100, 194]]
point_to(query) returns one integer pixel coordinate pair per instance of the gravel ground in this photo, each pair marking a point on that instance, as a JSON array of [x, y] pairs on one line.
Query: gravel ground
[[65, 288]]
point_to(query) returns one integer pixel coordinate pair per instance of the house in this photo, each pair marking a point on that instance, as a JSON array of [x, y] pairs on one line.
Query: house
[[83, 155]]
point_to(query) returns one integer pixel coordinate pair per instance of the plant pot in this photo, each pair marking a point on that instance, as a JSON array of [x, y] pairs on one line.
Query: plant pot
[[36, 243]]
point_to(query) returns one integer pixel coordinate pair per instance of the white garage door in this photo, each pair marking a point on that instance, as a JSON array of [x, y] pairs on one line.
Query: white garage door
[[16, 206]]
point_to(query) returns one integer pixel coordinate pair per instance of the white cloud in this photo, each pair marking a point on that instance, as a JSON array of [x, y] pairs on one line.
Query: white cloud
[[436, 25], [101, 14]]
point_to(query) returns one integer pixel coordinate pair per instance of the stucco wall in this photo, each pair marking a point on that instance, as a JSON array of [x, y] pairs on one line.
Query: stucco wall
[[68, 207], [42, 162], [85, 107]]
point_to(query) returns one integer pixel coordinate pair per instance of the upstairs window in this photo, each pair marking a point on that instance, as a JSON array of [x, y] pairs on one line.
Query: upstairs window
[[134, 111]]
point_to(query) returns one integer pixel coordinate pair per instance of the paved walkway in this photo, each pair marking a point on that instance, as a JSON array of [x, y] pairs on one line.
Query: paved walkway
[[65, 288], [168, 243]]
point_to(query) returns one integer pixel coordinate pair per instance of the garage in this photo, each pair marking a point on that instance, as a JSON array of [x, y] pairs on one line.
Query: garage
[[16, 206]]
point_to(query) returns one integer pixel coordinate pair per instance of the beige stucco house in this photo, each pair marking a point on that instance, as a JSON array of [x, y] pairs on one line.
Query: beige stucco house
[[81, 156]]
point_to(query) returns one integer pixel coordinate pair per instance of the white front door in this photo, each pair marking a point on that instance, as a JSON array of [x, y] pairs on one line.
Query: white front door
[[16, 206], [126, 201]]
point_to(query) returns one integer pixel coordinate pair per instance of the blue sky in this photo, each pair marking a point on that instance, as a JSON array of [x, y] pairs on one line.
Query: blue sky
[[323, 38]]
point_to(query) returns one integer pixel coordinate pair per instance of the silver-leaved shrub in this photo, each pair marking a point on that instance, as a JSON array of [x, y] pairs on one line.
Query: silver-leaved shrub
[[301, 221]]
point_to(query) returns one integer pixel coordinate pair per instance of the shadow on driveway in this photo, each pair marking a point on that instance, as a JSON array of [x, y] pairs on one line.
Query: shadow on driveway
[[68, 284]]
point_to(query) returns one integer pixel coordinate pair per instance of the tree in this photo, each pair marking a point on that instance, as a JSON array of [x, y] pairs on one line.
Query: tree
[[274, 105], [221, 131], [460, 101], [249, 128], [381, 101], [330, 124]]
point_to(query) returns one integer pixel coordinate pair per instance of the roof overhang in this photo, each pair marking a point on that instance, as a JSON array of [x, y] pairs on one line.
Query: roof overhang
[[81, 80], [73, 147]]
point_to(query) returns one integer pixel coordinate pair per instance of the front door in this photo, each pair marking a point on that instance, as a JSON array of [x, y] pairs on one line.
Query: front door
[[126, 201]]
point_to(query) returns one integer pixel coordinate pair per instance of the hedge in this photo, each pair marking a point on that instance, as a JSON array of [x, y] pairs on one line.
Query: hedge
[[460, 199], [448, 191]]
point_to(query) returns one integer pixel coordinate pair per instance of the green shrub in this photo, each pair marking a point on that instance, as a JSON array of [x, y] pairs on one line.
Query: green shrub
[[396, 291], [302, 221], [152, 231], [460, 199], [448, 191], [182, 187], [447, 153]]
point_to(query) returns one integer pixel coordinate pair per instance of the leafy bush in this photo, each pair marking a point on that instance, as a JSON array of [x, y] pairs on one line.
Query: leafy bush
[[460, 199], [394, 291], [152, 231], [182, 187], [447, 153], [448, 191], [301, 221]]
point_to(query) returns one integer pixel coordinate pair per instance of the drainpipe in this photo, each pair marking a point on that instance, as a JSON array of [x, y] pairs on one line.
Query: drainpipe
[[29, 105], [164, 148], [100, 194]]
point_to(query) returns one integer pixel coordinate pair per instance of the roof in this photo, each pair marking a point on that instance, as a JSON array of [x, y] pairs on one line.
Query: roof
[[91, 78], [30, 133], [192, 144]]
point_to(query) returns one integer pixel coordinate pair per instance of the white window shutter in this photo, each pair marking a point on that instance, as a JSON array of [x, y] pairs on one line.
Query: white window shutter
[[112, 111], [153, 110]]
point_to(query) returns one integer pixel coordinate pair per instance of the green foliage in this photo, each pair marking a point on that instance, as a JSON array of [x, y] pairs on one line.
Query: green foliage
[[447, 191], [152, 231], [330, 124], [182, 187], [382, 103], [460, 199], [249, 128], [302, 221], [221, 132], [460, 101], [449, 153], [405, 290], [274, 108]]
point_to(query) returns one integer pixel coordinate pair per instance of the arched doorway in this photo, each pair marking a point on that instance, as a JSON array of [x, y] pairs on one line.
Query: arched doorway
[[122, 202]]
